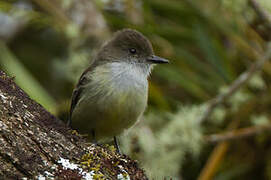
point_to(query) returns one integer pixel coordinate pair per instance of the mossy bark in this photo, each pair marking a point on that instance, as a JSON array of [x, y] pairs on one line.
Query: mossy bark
[[32, 141]]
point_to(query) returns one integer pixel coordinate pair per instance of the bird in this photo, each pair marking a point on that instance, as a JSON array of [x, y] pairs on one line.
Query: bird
[[112, 93]]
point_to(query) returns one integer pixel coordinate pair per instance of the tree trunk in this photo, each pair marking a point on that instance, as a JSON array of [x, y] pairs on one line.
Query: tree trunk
[[35, 144]]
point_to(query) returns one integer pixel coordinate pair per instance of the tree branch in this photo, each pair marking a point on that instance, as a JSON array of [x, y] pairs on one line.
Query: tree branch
[[244, 77], [261, 12], [237, 134], [239, 82]]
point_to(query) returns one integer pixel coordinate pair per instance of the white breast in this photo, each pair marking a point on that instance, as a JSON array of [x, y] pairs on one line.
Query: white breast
[[120, 77], [129, 75]]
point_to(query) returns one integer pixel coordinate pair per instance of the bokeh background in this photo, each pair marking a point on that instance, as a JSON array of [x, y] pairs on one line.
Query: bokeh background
[[46, 45]]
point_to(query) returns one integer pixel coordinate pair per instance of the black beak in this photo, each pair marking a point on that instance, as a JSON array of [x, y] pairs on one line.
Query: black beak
[[157, 60]]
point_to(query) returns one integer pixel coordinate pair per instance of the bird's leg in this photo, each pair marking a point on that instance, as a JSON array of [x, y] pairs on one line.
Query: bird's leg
[[117, 145], [69, 122], [94, 137]]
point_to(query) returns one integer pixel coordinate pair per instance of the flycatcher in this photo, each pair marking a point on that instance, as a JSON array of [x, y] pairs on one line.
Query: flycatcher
[[112, 92]]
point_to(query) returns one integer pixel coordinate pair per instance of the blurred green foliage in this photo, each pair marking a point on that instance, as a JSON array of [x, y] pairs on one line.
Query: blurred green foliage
[[209, 43]]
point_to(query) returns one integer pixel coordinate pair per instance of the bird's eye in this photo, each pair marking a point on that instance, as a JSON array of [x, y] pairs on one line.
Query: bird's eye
[[132, 50]]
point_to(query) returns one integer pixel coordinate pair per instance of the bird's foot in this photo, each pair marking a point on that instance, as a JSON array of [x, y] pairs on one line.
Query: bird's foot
[[74, 132], [117, 145]]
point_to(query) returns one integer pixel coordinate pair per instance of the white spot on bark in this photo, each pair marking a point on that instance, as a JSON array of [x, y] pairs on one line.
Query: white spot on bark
[[66, 164]]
